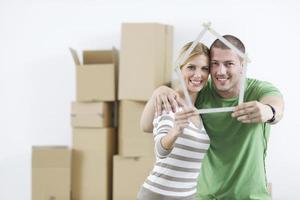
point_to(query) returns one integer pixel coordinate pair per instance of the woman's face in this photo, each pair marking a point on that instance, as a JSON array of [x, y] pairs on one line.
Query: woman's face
[[195, 73]]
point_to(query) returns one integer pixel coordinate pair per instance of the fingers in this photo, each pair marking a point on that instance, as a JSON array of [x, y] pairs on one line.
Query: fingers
[[162, 103], [249, 118], [180, 124], [172, 98], [245, 111], [243, 108], [165, 99], [183, 124], [166, 103], [181, 120], [249, 112], [181, 103], [158, 106], [185, 114]]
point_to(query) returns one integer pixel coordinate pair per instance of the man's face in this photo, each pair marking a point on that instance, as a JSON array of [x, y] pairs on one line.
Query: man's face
[[226, 72]]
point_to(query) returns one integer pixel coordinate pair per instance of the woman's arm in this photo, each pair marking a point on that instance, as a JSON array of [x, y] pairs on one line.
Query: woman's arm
[[168, 128]]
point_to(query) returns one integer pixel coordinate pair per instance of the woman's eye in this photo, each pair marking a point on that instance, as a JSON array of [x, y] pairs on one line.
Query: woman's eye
[[191, 67]]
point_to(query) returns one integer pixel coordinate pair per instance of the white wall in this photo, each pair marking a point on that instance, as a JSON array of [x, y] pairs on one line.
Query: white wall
[[37, 76]]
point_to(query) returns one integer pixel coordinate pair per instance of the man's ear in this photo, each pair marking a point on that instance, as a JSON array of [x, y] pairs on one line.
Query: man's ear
[[243, 62]]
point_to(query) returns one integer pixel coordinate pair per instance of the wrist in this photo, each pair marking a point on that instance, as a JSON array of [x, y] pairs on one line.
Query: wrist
[[174, 132], [272, 118], [168, 140]]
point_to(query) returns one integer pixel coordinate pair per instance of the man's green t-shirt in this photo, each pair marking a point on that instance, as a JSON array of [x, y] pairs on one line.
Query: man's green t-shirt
[[234, 167]]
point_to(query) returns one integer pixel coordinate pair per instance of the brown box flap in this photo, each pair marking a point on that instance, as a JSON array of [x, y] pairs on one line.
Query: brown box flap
[[98, 57]]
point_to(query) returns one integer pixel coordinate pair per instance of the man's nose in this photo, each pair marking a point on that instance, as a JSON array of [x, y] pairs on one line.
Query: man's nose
[[221, 69]]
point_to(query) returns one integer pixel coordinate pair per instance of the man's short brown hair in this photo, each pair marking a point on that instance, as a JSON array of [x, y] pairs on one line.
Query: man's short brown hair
[[232, 39]]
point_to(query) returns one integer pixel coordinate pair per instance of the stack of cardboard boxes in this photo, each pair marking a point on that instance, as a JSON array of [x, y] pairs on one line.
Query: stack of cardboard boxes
[[145, 64], [94, 172], [92, 119]]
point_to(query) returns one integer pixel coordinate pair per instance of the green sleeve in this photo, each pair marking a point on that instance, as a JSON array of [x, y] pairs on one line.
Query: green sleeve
[[267, 89]]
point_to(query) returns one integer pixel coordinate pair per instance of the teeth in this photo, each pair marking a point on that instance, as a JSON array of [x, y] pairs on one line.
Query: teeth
[[195, 82]]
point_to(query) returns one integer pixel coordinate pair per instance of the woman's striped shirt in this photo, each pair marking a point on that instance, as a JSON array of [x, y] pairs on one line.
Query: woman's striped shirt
[[175, 172]]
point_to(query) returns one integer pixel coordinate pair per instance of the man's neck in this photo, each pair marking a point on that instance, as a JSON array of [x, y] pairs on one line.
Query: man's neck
[[228, 94]]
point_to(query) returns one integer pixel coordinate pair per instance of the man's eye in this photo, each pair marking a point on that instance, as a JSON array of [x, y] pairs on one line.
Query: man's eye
[[213, 63]]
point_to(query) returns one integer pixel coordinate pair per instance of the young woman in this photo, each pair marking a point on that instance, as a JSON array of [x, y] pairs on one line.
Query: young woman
[[180, 139]]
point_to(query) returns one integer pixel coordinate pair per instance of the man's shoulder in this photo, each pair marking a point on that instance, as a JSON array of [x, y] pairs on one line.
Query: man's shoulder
[[255, 83], [257, 88]]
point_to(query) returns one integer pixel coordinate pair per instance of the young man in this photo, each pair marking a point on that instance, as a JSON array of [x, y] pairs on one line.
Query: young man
[[234, 167]]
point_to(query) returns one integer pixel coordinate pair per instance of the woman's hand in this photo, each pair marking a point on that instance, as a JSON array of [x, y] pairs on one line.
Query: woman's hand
[[182, 120]]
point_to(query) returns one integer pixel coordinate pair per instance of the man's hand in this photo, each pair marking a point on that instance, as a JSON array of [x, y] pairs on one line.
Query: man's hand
[[252, 112], [165, 98], [162, 98]]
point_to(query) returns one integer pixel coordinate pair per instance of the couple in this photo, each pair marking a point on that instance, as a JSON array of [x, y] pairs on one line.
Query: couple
[[234, 167]]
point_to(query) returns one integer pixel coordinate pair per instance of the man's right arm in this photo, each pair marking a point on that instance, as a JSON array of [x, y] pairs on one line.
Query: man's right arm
[[148, 114], [162, 96]]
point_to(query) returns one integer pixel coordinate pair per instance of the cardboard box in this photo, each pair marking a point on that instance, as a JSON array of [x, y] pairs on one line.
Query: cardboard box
[[145, 59], [96, 77], [93, 151], [51, 173], [132, 140], [129, 175], [92, 115]]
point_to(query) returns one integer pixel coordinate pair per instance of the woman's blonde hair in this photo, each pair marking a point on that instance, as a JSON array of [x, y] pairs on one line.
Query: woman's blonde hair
[[200, 49]]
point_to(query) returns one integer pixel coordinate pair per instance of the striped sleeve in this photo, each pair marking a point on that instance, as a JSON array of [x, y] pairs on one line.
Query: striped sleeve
[[162, 125]]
